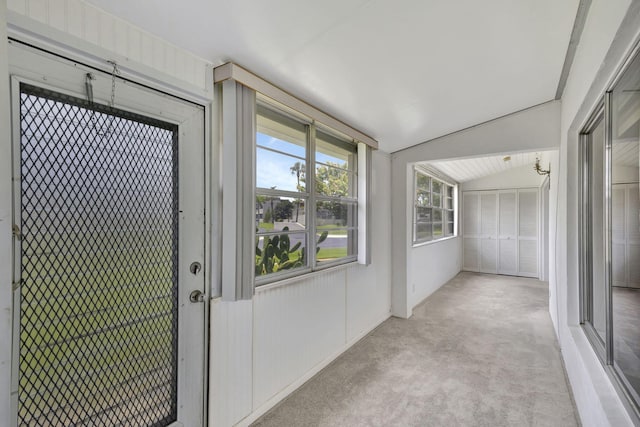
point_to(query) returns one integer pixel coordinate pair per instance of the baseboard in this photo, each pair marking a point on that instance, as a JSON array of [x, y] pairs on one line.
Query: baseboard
[[278, 397]]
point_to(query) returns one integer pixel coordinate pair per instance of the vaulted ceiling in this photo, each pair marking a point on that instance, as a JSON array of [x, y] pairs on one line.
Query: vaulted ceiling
[[401, 71]]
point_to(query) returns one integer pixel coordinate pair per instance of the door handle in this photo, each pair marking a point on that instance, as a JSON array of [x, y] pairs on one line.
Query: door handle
[[196, 296]]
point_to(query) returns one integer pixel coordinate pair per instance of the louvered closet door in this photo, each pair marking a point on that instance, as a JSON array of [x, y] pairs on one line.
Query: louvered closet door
[[528, 233], [625, 235], [619, 235], [489, 232], [633, 234], [507, 233], [471, 231]]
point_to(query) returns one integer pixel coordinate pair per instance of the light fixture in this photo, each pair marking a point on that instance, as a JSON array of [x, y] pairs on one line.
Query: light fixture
[[506, 158], [539, 170]]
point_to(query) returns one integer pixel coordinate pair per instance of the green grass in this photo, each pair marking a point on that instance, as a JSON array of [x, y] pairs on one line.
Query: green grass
[[331, 253], [266, 226], [332, 230]]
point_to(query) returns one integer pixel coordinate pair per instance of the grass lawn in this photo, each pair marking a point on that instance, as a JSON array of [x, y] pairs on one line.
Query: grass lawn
[[331, 253], [332, 230], [266, 226]]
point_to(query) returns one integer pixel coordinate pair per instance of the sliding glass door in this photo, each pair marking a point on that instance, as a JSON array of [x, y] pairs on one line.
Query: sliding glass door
[[610, 231]]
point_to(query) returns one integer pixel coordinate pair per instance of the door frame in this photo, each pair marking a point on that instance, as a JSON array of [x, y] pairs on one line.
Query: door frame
[[33, 75]]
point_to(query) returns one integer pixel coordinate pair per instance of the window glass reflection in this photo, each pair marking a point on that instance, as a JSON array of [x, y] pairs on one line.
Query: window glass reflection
[[625, 231]]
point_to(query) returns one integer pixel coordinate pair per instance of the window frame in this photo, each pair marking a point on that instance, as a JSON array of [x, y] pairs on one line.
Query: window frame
[[311, 195], [603, 348], [445, 185]]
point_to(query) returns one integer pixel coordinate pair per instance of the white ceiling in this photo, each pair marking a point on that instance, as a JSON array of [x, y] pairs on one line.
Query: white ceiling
[[401, 71], [464, 170]]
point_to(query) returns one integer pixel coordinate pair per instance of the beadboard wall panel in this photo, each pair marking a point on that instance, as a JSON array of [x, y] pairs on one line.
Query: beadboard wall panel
[[296, 327], [230, 369], [91, 24]]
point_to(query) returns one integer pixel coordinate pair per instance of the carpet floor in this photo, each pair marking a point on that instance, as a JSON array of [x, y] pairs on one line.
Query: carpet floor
[[481, 351]]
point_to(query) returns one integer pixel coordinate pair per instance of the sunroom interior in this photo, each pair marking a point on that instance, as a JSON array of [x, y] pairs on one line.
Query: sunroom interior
[[204, 204]]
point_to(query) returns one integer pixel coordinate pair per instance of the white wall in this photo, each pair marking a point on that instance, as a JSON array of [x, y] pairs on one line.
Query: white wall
[[5, 227], [536, 128], [264, 349], [520, 177], [610, 30], [431, 265]]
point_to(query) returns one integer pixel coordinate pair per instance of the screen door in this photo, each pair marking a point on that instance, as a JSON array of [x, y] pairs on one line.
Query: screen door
[[110, 225]]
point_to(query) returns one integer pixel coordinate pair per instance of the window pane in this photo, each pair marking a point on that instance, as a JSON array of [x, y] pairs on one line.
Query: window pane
[[625, 236], [274, 213], [336, 182], [280, 132], [335, 152], [422, 231], [334, 244], [423, 182], [282, 252], [436, 202], [279, 171], [423, 198], [449, 191], [449, 229], [436, 187], [450, 216], [437, 215], [423, 214], [335, 214], [335, 166], [437, 230], [280, 151]]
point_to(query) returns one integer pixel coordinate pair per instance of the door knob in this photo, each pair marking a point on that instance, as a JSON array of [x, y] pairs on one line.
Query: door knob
[[196, 296]]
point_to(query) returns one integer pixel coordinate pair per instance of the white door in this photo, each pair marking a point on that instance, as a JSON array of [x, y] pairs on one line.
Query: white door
[[471, 231], [507, 233], [489, 232], [528, 232], [110, 243]]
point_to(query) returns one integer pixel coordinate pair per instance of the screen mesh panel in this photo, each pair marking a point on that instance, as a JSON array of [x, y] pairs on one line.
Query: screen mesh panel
[[99, 223]]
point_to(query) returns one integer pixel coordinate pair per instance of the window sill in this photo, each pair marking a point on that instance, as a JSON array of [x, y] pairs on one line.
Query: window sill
[[431, 242], [302, 276]]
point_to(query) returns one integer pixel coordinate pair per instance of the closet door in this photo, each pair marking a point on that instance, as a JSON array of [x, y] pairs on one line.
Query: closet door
[[633, 235], [618, 234], [489, 232], [528, 233], [507, 233], [471, 231]]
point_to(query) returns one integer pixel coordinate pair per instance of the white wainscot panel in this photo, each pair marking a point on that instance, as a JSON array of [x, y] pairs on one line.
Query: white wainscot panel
[[296, 327], [230, 367], [368, 300]]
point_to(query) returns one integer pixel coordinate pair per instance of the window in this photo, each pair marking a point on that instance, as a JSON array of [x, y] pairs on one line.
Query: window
[[295, 182], [610, 232], [434, 208], [299, 207]]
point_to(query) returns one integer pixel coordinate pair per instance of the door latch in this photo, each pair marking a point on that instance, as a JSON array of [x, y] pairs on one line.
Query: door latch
[[196, 296]]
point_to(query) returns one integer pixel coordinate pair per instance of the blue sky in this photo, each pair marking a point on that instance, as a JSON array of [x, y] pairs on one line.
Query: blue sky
[[273, 169]]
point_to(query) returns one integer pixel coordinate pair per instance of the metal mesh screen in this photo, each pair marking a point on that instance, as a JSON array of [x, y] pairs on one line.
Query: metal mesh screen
[[98, 309]]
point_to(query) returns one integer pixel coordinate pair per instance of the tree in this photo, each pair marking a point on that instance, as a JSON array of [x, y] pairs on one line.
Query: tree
[[298, 169], [332, 180], [283, 210]]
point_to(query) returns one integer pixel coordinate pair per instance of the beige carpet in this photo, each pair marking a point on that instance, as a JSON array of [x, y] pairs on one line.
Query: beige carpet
[[481, 351]]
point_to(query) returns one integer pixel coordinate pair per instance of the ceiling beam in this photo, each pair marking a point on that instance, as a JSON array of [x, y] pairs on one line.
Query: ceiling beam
[[574, 41]]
